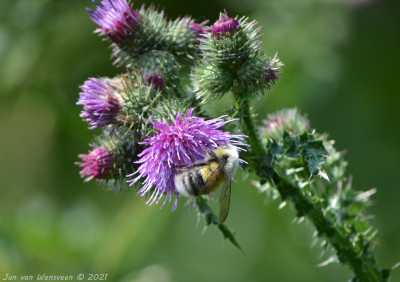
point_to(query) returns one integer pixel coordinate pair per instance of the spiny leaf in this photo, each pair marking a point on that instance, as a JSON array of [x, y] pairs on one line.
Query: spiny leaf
[[323, 174], [293, 146], [314, 154], [275, 148]]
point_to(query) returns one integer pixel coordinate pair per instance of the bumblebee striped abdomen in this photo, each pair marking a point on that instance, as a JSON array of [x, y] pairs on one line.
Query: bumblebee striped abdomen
[[199, 180]]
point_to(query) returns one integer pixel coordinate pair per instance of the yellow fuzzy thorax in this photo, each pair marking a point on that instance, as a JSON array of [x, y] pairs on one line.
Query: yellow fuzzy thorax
[[214, 177], [220, 152]]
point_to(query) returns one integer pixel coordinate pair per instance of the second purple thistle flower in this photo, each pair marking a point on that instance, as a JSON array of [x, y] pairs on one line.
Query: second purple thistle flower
[[102, 101], [180, 143], [116, 18]]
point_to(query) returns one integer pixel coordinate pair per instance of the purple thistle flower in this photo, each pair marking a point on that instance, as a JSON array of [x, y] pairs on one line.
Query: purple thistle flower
[[116, 18], [102, 101], [180, 143], [156, 80], [225, 25], [97, 164]]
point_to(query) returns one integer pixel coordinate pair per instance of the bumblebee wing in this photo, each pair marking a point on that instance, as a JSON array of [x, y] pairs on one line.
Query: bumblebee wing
[[225, 201], [212, 178]]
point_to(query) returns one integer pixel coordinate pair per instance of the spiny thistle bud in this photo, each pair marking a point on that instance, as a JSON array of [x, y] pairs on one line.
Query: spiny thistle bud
[[225, 25], [117, 19], [102, 101], [289, 120], [182, 37], [161, 69], [97, 164], [233, 63], [112, 157], [156, 80], [176, 144]]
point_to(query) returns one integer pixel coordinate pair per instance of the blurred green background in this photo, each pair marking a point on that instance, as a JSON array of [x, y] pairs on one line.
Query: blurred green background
[[342, 68]]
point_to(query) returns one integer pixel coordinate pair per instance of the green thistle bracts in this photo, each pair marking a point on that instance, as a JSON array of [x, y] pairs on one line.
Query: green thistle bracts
[[234, 60]]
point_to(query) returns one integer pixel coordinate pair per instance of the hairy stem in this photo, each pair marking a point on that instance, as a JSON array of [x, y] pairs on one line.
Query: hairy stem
[[248, 125]]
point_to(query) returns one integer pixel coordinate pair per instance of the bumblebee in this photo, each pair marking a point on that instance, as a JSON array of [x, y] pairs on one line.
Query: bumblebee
[[206, 176]]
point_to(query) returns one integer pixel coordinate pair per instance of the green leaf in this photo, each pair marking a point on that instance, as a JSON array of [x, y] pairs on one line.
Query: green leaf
[[314, 154], [275, 148], [293, 149]]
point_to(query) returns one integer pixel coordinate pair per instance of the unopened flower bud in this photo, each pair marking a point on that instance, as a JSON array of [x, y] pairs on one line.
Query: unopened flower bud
[[156, 80], [225, 25], [97, 164], [289, 120]]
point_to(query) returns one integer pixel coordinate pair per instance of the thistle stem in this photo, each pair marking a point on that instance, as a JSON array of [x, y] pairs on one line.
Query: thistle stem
[[363, 264], [248, 126]]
